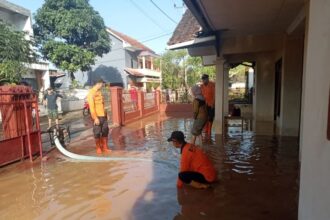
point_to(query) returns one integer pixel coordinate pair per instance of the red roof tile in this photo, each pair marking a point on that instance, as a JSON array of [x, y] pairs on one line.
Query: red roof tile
[[131, 41], [186, 29]]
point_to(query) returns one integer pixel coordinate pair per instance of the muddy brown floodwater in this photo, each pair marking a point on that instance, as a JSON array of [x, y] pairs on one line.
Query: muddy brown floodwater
[[258, 178]]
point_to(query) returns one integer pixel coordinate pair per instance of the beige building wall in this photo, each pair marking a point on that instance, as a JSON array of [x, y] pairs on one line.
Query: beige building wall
[[264, 87], [314, 196], [289, 120]]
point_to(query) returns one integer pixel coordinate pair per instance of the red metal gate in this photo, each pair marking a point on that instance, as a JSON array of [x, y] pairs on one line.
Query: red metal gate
[[19, 124]]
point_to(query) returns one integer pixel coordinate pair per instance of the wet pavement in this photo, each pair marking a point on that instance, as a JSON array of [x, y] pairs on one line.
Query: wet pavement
[[258, 178]]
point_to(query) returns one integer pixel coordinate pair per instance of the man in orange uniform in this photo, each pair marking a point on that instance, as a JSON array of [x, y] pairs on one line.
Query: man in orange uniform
[[196, 169], [98, 113], [208, 91]]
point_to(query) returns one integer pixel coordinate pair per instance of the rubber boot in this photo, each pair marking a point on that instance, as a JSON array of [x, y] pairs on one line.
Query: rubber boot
[[104, 145], [98, 145]]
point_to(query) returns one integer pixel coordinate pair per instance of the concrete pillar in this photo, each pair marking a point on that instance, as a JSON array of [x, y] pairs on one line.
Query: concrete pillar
[[219, 81], [225, 94], [117, 105], [141, 102]]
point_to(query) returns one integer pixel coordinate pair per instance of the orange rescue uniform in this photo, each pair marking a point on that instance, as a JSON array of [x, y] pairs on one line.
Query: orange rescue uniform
[[96, 103], [194, 159], [208, 92]]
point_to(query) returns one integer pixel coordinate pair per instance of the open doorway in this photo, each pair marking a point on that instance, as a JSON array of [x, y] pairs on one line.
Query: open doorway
[[240, 87], [278, 83]]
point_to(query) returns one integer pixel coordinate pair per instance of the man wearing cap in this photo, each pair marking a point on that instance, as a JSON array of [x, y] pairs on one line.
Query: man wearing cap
[[98, 114], [196, 169], [208, 91]]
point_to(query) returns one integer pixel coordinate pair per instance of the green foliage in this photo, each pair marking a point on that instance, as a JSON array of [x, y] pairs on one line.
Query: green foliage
[[68, 57], [175, 64], [75, 85], [170, 64], [71, 34], [11, 71], [237, 74], [15, 50], [196, 70]]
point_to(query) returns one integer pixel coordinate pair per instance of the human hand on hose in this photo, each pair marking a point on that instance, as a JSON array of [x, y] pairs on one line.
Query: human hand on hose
[[96, 121]]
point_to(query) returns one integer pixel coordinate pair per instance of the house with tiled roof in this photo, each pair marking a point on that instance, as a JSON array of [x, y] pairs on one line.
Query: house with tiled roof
[[128, 62]]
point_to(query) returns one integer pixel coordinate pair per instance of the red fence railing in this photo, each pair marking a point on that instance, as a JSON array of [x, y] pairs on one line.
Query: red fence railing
[[19, 124]]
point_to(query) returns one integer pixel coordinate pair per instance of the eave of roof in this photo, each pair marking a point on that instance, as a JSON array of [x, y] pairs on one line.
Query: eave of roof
[[15, 8], [186, 29]]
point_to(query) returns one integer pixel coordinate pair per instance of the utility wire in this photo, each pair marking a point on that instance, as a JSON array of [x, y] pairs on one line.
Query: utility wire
[[160, 36], [145, 14], [163, 12]]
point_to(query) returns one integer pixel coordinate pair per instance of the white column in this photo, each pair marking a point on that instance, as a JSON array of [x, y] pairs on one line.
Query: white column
[[46, 79], [143, 62], [225, 89], [219, 85]]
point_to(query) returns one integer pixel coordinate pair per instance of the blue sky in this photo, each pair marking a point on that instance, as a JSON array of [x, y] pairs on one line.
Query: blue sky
[[139, 19]]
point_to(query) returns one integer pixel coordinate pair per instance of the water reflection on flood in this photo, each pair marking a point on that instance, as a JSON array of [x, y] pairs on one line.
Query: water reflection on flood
[[258, 179]]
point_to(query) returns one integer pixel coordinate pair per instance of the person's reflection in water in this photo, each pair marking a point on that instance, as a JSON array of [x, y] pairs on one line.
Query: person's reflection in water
[[196, 204], [118, 139]]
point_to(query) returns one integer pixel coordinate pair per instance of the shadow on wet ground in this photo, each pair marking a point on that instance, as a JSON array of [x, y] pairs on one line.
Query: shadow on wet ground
[[257, 178]]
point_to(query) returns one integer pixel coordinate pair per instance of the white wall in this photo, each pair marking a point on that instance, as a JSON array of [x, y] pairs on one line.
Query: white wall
[[19, 22], [314, 197]]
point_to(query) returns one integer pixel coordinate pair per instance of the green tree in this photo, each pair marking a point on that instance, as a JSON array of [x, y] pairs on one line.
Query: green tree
[[171, 65], [70, 33], [15, 53], [179, 69], [196, 69]]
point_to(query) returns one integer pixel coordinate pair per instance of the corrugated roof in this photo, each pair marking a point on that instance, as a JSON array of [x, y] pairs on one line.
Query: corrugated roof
[[186, 29], [131, 41]]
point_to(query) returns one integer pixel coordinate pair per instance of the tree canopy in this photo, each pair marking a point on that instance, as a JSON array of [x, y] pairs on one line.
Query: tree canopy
[[70, 33], [15, 52]]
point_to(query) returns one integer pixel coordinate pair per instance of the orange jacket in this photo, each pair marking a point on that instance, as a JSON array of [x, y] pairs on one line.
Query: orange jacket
[[194, 159], [96, 103], [208, 92]]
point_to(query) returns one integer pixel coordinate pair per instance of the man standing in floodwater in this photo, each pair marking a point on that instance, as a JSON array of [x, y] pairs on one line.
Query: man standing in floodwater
[[50, 101], [196, 169], [208, 91], [99, 116]]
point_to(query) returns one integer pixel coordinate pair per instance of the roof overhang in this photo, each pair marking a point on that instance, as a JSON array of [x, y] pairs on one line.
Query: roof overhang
[[247, 17], [143, 72], [197, 42]]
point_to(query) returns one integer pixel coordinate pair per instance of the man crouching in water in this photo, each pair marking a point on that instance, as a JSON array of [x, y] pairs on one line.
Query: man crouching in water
[[196, 169], [98, 114]]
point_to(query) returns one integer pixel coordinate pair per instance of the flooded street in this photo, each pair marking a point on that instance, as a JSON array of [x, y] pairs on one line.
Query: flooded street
[[258, 178]]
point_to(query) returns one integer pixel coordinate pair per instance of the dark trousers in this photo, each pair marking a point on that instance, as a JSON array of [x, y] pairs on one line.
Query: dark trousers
[[101, 130], [210, 113], [188, 176]]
